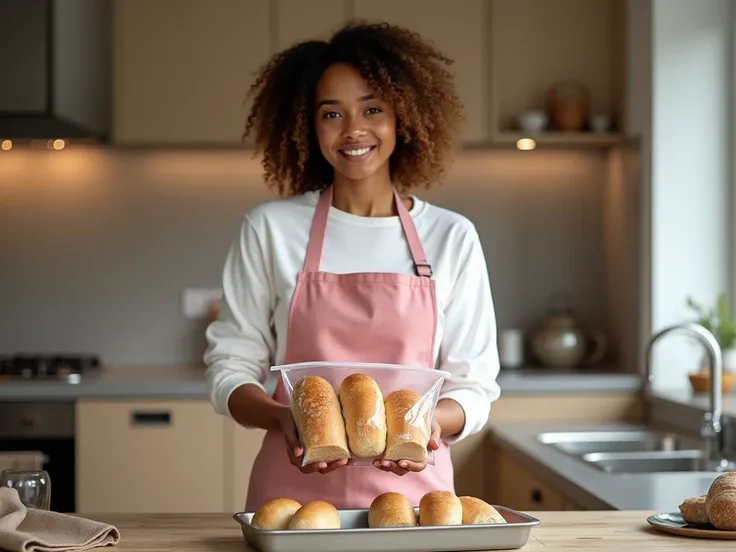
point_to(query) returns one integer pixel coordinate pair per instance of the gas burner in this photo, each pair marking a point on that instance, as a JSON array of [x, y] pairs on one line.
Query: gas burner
[[48, 367]]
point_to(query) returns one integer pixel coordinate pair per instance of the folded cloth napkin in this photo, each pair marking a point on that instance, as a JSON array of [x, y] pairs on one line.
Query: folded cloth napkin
[[30, 530]]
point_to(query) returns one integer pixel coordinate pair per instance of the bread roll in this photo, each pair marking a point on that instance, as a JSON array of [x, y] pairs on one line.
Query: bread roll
[[364, 415], [693, 511], [406, 439], [479, 512], [275, 514], [720, 502], [440, 508], [319, 420], [317, 514], [391, 510]]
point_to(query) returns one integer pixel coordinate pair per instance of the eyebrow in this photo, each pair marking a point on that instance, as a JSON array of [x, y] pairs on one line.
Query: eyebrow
[[337, 102]]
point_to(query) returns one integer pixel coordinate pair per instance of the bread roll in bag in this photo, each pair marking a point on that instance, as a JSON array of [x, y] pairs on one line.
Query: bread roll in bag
[[408, 426], [319, 419], [364, 414]]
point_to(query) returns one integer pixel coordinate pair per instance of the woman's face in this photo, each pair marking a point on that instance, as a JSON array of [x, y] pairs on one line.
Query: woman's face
[[356, 132]]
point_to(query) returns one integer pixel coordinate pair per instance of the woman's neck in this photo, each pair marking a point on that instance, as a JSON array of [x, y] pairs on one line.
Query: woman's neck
[[366, 198]]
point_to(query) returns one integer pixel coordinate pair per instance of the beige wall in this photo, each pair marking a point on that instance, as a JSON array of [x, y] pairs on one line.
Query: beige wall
[[97, 245]]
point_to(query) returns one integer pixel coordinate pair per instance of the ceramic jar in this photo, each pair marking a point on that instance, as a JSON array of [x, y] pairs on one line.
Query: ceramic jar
[[562, 343]]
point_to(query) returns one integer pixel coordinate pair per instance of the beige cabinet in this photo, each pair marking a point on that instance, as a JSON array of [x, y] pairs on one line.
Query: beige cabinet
[[540, 48], [242, 447], [149, 456], [182, 68], [519, 489], [459, 29], [297, 20]]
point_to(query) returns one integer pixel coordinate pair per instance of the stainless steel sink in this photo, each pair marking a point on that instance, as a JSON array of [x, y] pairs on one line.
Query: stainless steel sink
[[647, 462], [584, 442]]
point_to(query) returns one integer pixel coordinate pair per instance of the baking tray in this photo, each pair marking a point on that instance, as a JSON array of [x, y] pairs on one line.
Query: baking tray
[[355, 535]]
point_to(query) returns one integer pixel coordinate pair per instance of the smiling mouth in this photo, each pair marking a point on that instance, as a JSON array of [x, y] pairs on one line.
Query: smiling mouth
[[356, 154]]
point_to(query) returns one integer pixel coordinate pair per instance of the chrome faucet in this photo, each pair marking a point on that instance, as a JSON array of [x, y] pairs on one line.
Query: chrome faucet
[[710, 429]]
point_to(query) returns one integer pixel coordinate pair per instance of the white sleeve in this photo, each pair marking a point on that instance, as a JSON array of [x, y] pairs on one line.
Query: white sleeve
[[469, 350], [241, 343]]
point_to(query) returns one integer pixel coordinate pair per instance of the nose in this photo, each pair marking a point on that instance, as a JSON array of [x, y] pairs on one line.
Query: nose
[[354, 128]]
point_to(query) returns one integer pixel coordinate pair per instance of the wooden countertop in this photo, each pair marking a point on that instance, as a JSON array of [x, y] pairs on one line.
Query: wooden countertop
[[602, 531]]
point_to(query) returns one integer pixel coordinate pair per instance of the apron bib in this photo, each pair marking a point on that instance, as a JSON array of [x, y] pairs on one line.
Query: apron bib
[[397, 317]]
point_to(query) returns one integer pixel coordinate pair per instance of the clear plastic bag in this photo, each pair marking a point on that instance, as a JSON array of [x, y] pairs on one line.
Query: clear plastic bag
[[362, 411]]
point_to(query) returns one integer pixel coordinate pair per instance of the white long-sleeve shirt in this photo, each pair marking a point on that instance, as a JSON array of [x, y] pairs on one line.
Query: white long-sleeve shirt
[[260, 274]]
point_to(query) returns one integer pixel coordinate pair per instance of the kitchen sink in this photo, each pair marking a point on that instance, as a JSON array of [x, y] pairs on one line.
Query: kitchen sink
[[647, 462], [579, 443]]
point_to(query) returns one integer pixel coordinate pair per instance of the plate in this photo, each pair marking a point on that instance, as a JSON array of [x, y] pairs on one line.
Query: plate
[[674, 524]]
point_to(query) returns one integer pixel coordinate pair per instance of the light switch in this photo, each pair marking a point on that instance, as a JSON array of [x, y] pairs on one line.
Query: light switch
[[196, 302]]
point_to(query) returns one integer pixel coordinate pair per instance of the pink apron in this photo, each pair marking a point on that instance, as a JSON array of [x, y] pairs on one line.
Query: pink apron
[[360, 317]]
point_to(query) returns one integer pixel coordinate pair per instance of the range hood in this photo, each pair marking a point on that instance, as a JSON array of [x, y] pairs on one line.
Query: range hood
[[55, 70]]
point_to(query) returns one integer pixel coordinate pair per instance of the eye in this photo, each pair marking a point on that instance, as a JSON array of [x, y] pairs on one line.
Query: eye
[[374, 110], [330, 114]]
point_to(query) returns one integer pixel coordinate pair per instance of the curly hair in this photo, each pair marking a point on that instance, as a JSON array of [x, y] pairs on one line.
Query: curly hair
[[403, 69]]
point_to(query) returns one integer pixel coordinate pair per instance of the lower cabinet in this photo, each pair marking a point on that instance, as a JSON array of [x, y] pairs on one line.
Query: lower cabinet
[[161, 456], [149, 456], [517, 488]]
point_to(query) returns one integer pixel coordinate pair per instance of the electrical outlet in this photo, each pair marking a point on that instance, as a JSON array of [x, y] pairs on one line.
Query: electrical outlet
[[196, 302]]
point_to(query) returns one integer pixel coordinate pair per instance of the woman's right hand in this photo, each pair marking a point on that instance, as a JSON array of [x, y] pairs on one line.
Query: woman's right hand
[[295, 451]]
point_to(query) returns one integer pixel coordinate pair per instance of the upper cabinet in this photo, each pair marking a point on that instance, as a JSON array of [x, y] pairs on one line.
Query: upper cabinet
[[560, 58], [297, 20], [459, 30], [183, 67]]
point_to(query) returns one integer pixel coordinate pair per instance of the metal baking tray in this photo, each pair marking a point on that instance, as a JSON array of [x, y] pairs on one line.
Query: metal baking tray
[[355, 535]]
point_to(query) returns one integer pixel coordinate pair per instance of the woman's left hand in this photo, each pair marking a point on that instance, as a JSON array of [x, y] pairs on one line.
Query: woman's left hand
[[405, 466]]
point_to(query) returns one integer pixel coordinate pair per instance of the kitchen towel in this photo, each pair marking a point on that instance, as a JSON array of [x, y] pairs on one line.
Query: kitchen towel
[[30, 530]]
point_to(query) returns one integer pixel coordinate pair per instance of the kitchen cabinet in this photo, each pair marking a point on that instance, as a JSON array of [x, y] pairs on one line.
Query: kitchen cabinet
[[297, 20], [536, 44], [242, 446], [182, 69], [149, 456], [521, 490], [464, 41]]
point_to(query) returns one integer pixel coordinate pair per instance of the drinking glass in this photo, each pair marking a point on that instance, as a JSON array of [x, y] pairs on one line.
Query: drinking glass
[[33, 486]]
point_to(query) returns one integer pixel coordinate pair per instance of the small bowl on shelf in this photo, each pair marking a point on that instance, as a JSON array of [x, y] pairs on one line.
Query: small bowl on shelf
[[701, 382]]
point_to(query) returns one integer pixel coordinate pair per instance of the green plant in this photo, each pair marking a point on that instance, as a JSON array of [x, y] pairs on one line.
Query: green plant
[[717, 320]]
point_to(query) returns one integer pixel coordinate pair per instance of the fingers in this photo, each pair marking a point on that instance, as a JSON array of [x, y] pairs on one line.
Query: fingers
[[401, 468], [332, 466]]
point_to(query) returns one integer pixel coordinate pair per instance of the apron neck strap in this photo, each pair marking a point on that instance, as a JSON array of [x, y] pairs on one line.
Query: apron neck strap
[[319, 226]]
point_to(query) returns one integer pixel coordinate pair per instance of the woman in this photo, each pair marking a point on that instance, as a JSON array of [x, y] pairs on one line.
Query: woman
[[343, 127]]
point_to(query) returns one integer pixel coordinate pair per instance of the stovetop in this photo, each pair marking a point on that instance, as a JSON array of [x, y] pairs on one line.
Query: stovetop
[[70, 368]]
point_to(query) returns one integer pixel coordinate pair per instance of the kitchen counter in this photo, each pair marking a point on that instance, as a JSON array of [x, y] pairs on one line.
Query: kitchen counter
[[591, 488], [604, 531], [187, 381]]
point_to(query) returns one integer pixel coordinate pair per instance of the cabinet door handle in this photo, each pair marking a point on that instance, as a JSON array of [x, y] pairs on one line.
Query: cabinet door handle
[[537, 496], [151, 418]]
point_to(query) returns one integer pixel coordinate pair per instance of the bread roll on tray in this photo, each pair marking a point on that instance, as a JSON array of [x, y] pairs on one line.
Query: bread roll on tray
[[391, 510], [440, 508], [405, 439], [364, 415], [477, 511], [720, 502], [275, 514], [319, 419], [317, 514]]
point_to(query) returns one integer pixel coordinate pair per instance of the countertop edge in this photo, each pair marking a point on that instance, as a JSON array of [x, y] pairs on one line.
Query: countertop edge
[[187, 381]]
